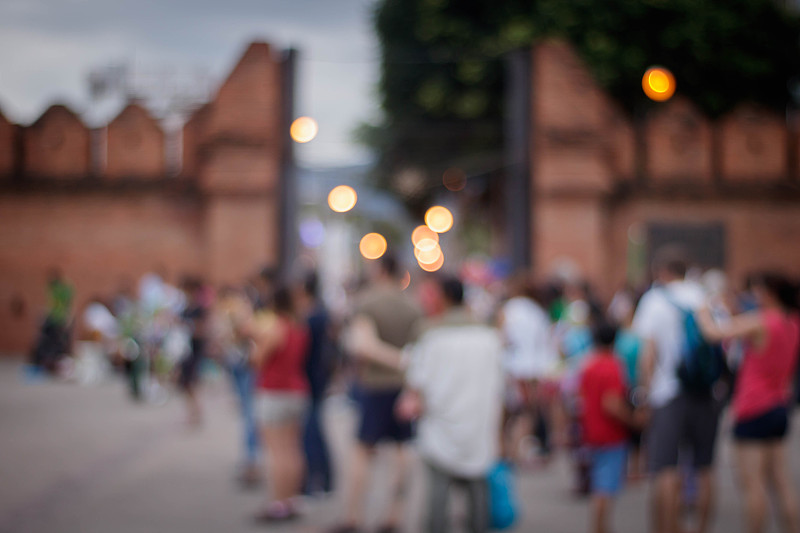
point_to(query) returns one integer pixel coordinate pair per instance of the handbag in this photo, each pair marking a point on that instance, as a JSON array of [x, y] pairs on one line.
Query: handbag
[[503, 503]]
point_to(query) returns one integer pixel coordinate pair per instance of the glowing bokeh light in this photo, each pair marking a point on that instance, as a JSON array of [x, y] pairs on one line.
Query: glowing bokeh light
[[406, 281], [372, 245], [427, 244], [439, 219], [312, 233], [303, 129], [658, 84], [454, 179], [423, 233], [433, 267], [428, 257], [342, 198]]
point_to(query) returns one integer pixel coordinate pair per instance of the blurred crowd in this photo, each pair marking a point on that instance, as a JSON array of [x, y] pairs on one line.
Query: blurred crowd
[[488, 378]]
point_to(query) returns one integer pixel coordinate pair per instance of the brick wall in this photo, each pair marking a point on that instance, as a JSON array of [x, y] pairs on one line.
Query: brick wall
[[56, 146], [102, 206], [589, 197], [134, 146], [8, 136]]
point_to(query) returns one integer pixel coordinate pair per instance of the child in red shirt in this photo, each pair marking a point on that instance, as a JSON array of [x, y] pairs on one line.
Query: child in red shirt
[[605, 421]]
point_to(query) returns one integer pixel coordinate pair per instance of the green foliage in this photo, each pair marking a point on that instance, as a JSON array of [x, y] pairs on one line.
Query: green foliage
[[442, 67]]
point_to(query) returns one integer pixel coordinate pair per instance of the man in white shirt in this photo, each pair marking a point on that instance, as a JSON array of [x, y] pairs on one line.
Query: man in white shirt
[[680, 420], [455, 386]]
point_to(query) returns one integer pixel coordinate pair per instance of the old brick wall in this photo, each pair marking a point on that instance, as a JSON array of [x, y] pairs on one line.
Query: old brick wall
[[108, 222], [56, 146], [134, 146], [99, 240], [590, 195]]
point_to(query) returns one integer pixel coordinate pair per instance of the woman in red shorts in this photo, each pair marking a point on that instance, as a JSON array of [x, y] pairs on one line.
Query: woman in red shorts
[[762, 396], [281, 402]]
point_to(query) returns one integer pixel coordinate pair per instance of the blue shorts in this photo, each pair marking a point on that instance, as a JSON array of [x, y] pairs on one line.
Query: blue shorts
[[608, 468], [378, 421]]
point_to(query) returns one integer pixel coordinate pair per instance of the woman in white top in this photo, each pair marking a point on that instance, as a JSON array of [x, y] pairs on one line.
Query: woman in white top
[[529, 359]]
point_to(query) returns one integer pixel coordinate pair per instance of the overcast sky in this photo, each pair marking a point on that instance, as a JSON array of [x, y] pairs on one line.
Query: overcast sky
[[47, 47]]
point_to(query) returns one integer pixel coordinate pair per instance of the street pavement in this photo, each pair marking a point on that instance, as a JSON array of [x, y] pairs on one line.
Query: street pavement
[[85, 459]]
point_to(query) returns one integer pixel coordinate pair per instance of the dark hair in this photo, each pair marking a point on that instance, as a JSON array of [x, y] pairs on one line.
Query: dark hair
[[604, 333], [779, 286], [671, 258], [311, 284], [268, 274], [282, 300], [453, 289], [522, 283], [389, 265], [191, 284]]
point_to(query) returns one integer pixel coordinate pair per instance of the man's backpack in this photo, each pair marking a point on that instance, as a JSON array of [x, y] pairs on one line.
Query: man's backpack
[[702, 363]]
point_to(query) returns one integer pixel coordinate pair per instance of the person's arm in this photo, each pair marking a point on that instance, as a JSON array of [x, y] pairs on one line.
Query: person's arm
[[410, 404], [365, 344], [746, 325], [266, 341], [647, 363], [615, 406]]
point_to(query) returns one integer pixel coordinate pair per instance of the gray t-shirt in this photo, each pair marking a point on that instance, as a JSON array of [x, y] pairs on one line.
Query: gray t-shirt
[[396, 318]]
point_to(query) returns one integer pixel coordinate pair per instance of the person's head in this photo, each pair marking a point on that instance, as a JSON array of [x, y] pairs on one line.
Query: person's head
[[603, 334], [387, 268], [311, 285], [268, 275], [452, 290], [669, 263], [192, 287], [771, 289], [282, 301], [621, 308], [306, 292], [522, 284]]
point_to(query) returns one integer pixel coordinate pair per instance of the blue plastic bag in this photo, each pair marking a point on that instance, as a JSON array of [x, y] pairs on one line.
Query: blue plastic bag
[[503, 506]]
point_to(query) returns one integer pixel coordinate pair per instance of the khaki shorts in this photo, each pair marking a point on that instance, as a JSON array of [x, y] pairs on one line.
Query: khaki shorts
[[278, 407]]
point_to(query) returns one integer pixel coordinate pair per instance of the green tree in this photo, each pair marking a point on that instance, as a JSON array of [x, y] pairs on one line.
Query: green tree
[[442, 71]]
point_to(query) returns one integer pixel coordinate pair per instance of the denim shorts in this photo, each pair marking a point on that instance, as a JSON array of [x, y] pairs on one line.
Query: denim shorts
[[274, 408], [608, 468]]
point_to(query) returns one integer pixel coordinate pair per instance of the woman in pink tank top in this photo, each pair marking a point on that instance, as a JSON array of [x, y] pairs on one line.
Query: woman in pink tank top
[[762, 396], [281, 402]]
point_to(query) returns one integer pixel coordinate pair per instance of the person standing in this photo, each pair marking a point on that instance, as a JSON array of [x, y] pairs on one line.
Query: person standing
[[387, 312], [54, 337], [233, 312], [530, 359], [195, 316], [628, 348], [455, 387], [281, 404], [605, 421], [681, 420], [762, 397], [319, 474]]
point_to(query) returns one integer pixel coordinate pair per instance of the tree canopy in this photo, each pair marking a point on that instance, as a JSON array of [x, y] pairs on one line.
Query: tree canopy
[[442, 71]]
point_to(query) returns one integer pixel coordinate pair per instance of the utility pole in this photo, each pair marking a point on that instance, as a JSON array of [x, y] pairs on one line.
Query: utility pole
[[287, 248], [517, 133]]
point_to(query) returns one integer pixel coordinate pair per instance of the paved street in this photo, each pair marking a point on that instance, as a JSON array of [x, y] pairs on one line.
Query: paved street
[[85, 459]]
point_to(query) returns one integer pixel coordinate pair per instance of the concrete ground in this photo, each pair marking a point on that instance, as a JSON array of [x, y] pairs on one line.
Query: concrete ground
[[86, 459]]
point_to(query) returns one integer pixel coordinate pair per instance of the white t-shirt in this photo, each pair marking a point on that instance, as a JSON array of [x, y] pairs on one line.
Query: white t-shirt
[[658, 319], [457, 369], [530, 351], [98, 318]]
